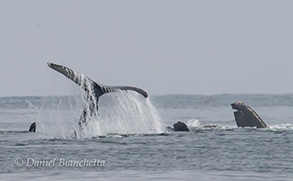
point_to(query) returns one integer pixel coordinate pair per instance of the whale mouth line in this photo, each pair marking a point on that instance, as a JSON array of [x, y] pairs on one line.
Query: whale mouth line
[[245, 116]]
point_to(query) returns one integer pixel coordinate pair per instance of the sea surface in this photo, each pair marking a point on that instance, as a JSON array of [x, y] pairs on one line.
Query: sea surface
[[130, 138]]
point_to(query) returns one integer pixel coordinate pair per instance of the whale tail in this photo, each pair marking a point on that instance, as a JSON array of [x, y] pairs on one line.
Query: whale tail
[[93, 90], [88, 84]]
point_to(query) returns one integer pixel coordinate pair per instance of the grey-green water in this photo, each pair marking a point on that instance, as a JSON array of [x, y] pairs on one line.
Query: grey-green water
[[222, 153]]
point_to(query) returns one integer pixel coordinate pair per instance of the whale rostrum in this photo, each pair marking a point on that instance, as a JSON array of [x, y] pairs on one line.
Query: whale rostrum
[[245, 116]]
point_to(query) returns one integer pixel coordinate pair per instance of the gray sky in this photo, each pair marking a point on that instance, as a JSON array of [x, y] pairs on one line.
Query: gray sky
[[162, 46]]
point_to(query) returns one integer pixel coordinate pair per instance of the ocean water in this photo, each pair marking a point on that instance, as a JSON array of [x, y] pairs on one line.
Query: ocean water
[[129, 139]]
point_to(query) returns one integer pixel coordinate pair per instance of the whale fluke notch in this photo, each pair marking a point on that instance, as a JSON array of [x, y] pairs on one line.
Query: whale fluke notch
[[33, 127], [83, 81], [245, 116]]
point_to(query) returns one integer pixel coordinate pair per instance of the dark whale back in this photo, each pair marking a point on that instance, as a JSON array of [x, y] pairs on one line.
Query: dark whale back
[[33, 127], [246, 116], [180, 126]]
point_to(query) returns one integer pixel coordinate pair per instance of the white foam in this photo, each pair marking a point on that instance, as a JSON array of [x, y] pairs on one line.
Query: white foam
[[281, 127], [130, 114], [193, 123], [127, 112]]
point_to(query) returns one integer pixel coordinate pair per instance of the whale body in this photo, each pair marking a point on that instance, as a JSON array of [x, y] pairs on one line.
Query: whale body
[[245, 116], [180, 126]]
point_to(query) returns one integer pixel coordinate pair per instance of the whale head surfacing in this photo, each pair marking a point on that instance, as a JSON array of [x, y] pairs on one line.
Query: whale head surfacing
[[180, 126], [245, 116]]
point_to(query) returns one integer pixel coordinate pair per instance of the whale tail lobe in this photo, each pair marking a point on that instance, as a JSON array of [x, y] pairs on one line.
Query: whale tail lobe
[[87, 84]]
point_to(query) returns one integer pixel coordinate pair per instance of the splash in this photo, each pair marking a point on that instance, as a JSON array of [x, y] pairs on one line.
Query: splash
[[193, 123], [123, 112], [55, 116], [273, 128], [280, 127]]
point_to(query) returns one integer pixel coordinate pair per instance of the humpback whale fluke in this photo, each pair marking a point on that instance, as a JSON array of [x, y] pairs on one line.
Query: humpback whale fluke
[[83, 81], [33, 127], [245, 116], [93, 90]]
